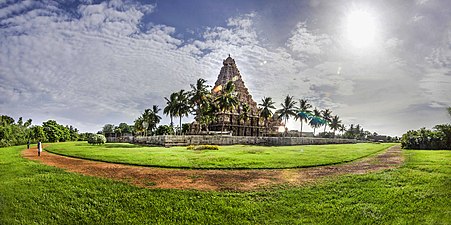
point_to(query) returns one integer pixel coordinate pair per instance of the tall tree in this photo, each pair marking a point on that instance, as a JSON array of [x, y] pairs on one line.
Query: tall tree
[[108, 129], [316, 120], [138, 125], [326, 114], [449, 111], [288, 109], [200, 100], [303, 112], [171, 106], [335, 124], [227, 100], [244, 115], [267, 105], [182, 106], [342, 129]]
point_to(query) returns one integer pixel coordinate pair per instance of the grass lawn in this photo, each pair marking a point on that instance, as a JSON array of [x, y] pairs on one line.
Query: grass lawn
[[235, 156], [417, 193]]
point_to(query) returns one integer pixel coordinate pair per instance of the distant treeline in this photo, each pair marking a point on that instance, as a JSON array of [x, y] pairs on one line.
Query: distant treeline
[[20, 132], [438, 138]]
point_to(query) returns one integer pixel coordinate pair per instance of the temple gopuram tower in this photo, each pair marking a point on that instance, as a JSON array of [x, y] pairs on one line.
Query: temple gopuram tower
[[235, 121]]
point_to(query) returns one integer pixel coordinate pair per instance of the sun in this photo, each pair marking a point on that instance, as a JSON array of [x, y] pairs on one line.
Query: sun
[[361, 28]]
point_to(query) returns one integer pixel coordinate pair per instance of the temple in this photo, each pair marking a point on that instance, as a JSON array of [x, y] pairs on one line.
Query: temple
[[244, 120]]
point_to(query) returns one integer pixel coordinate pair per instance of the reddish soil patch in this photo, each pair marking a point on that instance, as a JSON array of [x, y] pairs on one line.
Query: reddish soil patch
[[241, 180]]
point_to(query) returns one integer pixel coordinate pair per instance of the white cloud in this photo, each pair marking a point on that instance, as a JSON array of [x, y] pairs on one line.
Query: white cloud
[[306, 43], [102, 67]]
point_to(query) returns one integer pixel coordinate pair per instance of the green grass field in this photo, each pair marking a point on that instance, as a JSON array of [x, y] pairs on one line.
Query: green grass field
[[417, 193], [235, 156]]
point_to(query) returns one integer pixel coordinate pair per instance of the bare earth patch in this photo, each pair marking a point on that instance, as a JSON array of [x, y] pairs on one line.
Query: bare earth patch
[[239, 180]]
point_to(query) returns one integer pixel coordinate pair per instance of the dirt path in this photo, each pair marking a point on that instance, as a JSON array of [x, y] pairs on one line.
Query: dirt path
[[241, 180]]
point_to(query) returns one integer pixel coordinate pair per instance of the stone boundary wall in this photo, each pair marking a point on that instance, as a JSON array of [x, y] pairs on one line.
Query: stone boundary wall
[[184, 140]]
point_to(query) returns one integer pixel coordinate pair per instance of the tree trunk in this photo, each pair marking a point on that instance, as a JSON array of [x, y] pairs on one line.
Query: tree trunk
[[180, 125], [300, 135], [286, 129]]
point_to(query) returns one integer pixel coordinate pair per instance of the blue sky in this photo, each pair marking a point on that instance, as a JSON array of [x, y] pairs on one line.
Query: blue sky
[[383, 64]]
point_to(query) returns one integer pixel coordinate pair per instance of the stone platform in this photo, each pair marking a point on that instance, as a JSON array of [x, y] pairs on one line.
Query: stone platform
[[184, 140]]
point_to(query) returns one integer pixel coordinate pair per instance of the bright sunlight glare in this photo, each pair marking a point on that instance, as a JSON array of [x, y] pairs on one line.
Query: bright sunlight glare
[[360, 28]]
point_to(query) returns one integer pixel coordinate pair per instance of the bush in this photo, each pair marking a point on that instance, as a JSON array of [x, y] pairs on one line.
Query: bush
[[439, 138], [202, 147], [96, 139], [164, 130]]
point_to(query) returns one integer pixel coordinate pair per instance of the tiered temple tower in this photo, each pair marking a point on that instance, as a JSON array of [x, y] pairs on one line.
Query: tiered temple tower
[[230, 72], [252, 125]]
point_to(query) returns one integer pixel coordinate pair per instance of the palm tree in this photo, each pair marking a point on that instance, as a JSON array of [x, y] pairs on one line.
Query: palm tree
[[155, 117], [266, 112], [288, 109], [227, 100], [303, 112], [342, 129], [335, 124], [139, 128], [316, 120], [170, 108], [326, 114], [182, 106], [200, 98], [244, 115]]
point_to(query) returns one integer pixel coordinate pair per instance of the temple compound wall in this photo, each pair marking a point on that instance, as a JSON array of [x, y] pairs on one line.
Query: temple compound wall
[[185, 140]]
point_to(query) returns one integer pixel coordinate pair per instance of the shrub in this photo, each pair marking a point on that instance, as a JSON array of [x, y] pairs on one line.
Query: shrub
[[439, 138], [96, 139], [202, 147]]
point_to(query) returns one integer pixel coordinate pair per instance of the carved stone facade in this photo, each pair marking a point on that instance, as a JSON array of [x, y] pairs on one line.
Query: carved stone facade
[[252, 125], [230, 72]]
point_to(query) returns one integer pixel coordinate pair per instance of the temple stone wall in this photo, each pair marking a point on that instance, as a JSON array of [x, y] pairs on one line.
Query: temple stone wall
[[184, 140]]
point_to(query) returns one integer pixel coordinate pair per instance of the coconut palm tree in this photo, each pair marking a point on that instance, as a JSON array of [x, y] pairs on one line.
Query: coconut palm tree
[[326, 114], [170, 108], [288, 109], [266, 110], [200, 99], [316, 120], [182, 106], [303, 112], [244, 115], [226, 100], [335, 123], [342, 129], [155, 120]]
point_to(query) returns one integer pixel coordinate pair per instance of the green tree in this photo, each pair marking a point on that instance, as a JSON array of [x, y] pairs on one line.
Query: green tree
[[326, 115], [316, 120], [171, 106], [138, 125], [267, 105], [55, 132], [244, 115], [200, 99], [335, 124], [164, 130], [227, 100], [288, 109], [108, 129], [303, 112], [125, 128], [182, 106]]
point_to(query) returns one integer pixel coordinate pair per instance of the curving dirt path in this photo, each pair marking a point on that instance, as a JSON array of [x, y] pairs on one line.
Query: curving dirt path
[[240, 180]]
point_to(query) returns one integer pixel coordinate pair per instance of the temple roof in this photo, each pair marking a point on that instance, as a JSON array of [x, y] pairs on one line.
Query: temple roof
[[230, 72]]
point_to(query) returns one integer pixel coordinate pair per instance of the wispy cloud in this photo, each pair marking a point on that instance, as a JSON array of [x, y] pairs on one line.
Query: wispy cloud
[[99, 63]]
